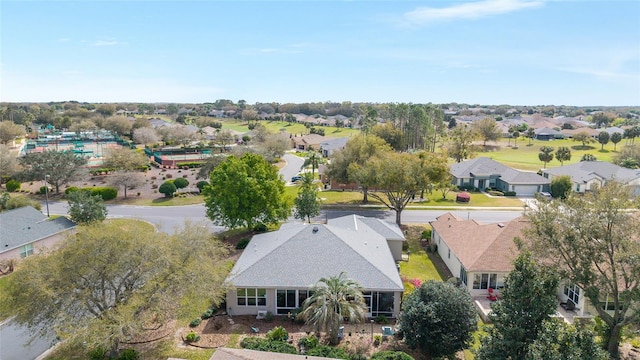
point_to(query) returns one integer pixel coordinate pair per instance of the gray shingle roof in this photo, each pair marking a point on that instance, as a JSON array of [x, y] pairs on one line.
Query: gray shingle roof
[[25, 225], [483, 166], [297, 257], [334, 144], [586, 170]]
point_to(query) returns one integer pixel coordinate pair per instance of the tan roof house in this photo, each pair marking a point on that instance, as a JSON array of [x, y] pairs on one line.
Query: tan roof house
[[305, 141]]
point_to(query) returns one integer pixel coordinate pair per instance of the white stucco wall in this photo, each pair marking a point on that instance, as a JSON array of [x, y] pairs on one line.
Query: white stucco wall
[[396, 249], [38, 246]]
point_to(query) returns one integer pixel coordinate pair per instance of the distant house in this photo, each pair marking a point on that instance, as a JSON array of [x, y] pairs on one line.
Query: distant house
[[570, 133], [483, 173], [26, 231], [277, 270], [587, 174], [329, 146], [304, 142], [546, 133]]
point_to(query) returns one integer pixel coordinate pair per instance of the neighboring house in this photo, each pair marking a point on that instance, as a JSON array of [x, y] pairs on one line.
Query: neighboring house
[[277, 270], [482, 255], [546, 133], [306, 141], [586, 174], [483, 173], [328, 147], [26, 231], [570, 133]]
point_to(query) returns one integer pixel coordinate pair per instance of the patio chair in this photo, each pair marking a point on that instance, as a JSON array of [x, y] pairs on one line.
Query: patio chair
[[255, 330], [492, 295], [388, 331], [569, 305]]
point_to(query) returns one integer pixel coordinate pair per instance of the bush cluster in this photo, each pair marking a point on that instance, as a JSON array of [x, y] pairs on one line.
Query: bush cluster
[[13, 185], [190, 165], [181, 183], [208, 313], [328, 352], [261, 344], [101, 170], [308, 342], [195, 322], [391, 355], [201, 184], [105, 192], [192, 337], [509, 193], [260, 227], [278, 333]]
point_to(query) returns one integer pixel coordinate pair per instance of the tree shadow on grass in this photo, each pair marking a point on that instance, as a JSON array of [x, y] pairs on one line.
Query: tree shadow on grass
[[582, 147], [604, 151]]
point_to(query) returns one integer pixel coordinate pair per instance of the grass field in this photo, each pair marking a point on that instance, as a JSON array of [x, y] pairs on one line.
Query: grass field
[[525, 157]]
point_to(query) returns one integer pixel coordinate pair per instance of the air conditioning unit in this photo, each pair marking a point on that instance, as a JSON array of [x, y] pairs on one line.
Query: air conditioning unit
[[261, 314]]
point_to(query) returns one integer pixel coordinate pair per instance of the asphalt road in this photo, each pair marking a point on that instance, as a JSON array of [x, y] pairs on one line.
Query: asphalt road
[[15, 345], [292, 168]]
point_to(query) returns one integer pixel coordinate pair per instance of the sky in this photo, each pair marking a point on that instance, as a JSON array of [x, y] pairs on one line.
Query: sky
[[490, 52]]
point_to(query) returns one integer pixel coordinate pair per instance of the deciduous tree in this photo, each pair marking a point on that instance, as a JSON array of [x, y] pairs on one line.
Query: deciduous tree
[[559, 340], [9, 131], [9, 165], [460, 146], [85, 208], [347, 164], [128, 180], [560, 187], [125, 159], [307, 204], [244, 191], [616, 137], [584, 138], [628, 157], [60, 167], [401, 175], [594, 242], [145, 135], [438, 318], [488, 130]]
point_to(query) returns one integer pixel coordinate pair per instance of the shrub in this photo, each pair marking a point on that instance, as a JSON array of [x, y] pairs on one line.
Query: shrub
[[71, 189], [105, 192], [377, 339], [260, 344], [128, 354], [328, 351], [260, 227], [208, 313], [635, 343], [309, 342], [242, 243], [278, 333], [391, 355], [181, 183], [19, 201], [268, 317], [43, 190], [97, 354], [168, 188], [381, 319], [13, 185], [195, 322], [192, 337], [495, 193], [201, 184], [509, 193], [426, 234]]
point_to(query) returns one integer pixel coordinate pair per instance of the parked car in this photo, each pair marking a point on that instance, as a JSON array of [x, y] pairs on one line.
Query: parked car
[[296, 178]]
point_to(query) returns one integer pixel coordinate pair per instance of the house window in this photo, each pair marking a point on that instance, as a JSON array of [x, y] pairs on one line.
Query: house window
[[485, 281], [463, 275], [449, 254], [607, 303], [379, 303], [26, 250], [251, 297], [578, 187], [573, 292], [288, 300]]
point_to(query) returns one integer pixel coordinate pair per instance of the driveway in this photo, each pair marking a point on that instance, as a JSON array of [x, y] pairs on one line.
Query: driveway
[[292, 167], [15, 345]]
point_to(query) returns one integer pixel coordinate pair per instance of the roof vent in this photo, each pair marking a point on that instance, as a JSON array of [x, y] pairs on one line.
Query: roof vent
[[500, 225], [315, 229]]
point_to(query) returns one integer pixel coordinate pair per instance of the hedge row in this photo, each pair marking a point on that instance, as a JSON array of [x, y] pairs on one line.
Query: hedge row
[[106, 192]]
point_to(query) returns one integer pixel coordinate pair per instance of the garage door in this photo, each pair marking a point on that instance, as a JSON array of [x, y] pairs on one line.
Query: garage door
[[525, 189]]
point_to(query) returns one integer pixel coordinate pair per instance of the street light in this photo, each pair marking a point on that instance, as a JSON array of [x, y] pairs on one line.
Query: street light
[[46, 194]]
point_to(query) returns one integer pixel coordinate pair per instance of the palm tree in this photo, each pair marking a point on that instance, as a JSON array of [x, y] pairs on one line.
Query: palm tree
[[314, 159], [334, 299]]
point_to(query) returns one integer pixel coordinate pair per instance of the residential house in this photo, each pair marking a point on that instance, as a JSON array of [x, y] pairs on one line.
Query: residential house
[[329, 146], [26, 231], [546, 133], [587, 174], [593, 133], [277, 270], [483, 173], [306, 142], [482, 255]]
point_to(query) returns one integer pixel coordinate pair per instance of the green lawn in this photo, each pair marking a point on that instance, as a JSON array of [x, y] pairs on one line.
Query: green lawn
[[419, 265], [477, 199], [525, 157], [162, 201]]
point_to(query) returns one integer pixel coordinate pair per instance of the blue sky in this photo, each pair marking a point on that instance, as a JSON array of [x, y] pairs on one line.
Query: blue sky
[[518, 52]]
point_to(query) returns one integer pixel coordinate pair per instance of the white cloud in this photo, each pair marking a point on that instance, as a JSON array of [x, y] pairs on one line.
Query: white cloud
[[106, 43], [63, 40], [472, 10]]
